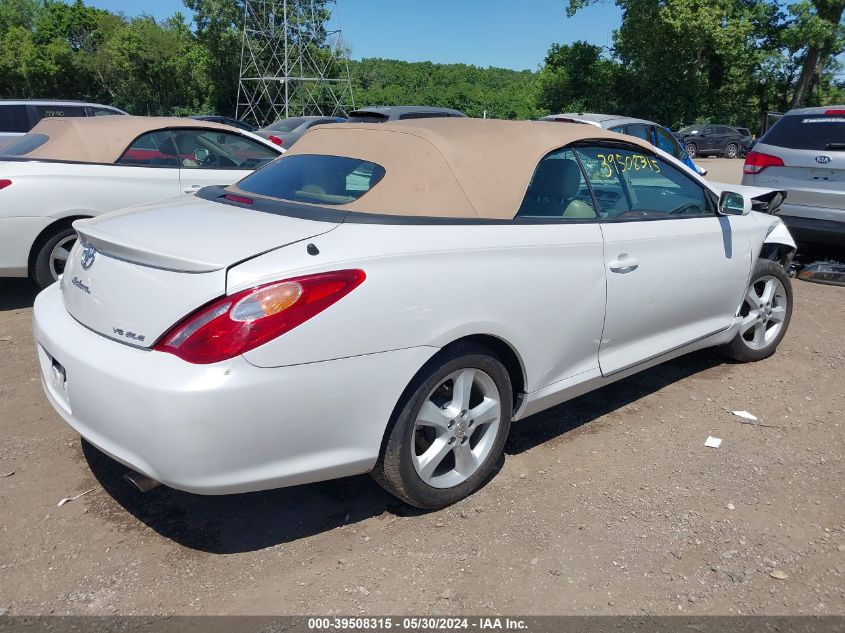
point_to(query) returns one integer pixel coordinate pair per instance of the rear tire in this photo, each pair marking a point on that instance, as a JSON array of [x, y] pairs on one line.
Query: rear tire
[[450, 429], [766, 311], [731, 150], [51, 255]]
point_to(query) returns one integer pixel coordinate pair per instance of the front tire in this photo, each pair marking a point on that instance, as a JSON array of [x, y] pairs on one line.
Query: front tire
[[51, 256], [766, 311], [731, 150], [450, 430], [691, 150]]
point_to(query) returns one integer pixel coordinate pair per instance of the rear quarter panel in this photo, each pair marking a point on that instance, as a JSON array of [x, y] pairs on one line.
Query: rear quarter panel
[[540, 288]]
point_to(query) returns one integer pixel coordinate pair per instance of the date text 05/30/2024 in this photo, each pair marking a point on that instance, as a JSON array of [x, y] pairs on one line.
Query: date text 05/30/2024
[[416, 624]]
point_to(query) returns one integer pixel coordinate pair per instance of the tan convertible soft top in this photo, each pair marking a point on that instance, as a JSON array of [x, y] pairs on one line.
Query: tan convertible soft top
[[102, 139], [451, 167]]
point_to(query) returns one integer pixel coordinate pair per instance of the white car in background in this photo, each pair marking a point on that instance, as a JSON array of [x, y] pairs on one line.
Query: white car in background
[[66, 169], [389, 298]]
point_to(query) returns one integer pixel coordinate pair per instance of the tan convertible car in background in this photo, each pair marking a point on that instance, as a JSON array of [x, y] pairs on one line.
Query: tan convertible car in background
[[67, 169]]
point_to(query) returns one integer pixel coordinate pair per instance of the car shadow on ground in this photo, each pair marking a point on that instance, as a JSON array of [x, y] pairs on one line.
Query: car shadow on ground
[[16, 294], [248, 522], [554, 422]]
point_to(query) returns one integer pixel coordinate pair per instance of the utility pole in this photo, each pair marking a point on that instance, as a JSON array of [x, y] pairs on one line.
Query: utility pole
[[291, 63]]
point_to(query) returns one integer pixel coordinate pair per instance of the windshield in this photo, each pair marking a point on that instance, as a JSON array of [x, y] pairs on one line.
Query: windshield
[[315, 178], [692, 129], [286, 125], [808, 131]]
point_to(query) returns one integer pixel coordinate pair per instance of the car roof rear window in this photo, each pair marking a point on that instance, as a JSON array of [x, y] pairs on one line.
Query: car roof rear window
[[286, 125], [367, 117], [807, 131], [24, 145], [314, 179]]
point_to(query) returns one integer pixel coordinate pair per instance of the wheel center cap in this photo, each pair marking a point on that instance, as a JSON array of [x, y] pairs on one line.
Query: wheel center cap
[[461, 430]]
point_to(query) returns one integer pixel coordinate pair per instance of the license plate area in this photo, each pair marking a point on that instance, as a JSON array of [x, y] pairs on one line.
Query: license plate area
[[55, 378], [824, 175]]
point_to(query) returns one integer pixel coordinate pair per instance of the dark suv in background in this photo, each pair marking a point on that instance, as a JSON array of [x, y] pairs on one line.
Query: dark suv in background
[[710, 139], [17, 117]]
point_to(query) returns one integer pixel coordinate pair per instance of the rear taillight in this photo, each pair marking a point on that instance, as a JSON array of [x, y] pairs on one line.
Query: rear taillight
[[755, 162], [4, 182], [835, 112], [233, 325], [275, 139]]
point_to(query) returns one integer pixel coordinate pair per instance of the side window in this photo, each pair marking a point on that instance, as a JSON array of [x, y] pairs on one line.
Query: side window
[[14, 118], [667, 142], [213, 149], [153, 149], [558, 189], [632, 185], [97, 111], [707, 130], [639, 130], [46, 112]]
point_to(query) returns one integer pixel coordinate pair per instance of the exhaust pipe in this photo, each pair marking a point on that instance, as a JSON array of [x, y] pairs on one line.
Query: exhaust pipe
[[141, 482]]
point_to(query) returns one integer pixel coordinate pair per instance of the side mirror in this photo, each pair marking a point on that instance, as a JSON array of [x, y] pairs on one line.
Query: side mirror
[[201, 155], [732, 203]]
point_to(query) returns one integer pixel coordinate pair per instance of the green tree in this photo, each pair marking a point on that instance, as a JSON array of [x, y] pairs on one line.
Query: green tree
[[577, 78], [218, 26], [818, 32]]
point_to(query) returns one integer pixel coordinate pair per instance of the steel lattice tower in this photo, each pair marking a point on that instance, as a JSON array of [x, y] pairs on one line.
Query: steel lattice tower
[[291, 63]]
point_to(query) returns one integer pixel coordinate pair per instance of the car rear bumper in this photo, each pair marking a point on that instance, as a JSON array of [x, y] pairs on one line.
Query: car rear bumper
[[223, 428], [823, 229]]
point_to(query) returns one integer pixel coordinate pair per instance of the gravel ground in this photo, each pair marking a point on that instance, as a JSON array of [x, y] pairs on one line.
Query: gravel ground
[[609, 504], [722, 169]]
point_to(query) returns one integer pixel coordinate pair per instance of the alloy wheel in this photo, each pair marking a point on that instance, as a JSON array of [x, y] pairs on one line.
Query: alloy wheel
[[456, 428], [731, 151], [763, 312], [59, 255], [691, 150]]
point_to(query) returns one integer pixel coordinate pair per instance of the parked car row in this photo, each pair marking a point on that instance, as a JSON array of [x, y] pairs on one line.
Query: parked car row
[[286, 132]]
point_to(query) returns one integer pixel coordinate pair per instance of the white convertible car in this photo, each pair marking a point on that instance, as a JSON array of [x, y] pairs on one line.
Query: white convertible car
[[389, 298], [67, 169]]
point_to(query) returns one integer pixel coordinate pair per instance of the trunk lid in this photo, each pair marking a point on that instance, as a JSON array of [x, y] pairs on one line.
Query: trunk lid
[[134, 273]]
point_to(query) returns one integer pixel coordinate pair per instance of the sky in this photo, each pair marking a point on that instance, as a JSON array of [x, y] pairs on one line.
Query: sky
[[506, 33]]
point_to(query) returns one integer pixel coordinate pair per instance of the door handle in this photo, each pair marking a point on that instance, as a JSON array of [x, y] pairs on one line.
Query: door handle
[[192, 189], [623, 266]]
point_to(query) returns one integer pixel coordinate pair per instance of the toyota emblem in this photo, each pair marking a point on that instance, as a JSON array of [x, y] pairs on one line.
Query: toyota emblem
[[88, 255]]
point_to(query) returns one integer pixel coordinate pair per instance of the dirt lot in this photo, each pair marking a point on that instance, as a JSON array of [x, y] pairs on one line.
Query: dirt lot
[[722, 169], [608, 504]]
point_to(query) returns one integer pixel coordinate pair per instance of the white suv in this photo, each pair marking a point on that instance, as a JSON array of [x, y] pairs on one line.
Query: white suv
[[804, 154]]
